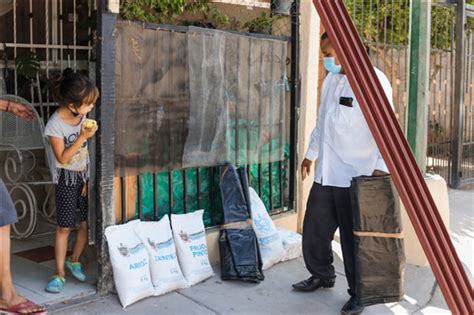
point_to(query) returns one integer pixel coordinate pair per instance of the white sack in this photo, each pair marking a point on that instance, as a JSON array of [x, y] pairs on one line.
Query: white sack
[[129, 263], [157, 237], [190, 239], [292, 242], [271, 247]]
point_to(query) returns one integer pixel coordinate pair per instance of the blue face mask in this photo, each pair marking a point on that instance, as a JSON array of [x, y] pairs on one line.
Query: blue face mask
[[331, 66]]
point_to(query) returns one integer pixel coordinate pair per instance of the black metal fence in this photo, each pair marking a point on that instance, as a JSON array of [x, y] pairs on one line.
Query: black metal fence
[[384, 26], [153, 173], [467, 159], [442, 81], [451, 127]]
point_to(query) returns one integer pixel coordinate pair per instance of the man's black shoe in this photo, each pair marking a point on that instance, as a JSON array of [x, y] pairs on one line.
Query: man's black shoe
[[352, 307], [312, 284]]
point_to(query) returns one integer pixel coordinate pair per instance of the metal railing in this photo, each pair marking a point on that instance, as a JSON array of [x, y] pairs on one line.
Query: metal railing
[[467, 159], [384, 28], [170, 186], [54, 34], [38, 40]]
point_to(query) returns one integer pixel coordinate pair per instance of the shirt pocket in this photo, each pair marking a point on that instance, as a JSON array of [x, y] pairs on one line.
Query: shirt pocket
[[348, 116], [343, 115]]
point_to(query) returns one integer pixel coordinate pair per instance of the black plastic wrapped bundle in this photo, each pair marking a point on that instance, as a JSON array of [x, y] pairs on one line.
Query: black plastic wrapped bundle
[[239, 254], [379, 249]]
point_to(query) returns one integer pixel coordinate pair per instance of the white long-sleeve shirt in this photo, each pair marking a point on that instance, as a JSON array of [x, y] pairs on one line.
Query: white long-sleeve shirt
[[342, 141]]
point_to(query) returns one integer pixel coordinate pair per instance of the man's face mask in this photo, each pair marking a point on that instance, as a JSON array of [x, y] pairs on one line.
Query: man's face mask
[[331, 66]]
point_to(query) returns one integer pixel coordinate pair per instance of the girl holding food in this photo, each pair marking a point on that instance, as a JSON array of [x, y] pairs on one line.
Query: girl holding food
[[68, 131]]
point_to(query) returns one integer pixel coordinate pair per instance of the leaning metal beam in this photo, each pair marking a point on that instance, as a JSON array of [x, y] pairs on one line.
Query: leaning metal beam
[[396, 152]]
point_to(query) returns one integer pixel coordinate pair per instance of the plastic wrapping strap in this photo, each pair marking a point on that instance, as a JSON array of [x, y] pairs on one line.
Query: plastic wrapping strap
[[239, 225], [378, 234]]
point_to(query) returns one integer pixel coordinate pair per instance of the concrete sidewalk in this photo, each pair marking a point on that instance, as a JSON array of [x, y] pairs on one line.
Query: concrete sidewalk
[[274, 295]]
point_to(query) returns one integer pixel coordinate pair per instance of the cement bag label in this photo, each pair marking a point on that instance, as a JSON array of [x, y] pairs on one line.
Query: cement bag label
[[158, 240], [130, 263], [190, 239], [269, 241]]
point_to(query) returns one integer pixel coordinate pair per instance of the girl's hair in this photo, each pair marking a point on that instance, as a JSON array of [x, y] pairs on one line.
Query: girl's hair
[[76, 89]]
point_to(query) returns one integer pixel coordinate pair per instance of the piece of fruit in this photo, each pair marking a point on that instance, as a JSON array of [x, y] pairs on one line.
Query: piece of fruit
[[90, 123]]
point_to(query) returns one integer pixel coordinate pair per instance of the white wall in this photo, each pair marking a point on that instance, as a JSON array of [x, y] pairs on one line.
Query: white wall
[[309, 62]]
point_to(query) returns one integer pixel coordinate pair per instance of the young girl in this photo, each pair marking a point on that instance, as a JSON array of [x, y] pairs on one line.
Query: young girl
[[68, 136]]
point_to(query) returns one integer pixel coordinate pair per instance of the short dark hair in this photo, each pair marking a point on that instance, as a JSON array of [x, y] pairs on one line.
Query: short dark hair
[[326, 36], [75, 88]]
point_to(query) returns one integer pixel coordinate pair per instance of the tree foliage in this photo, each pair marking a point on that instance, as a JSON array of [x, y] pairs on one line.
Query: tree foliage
[[168, 11]]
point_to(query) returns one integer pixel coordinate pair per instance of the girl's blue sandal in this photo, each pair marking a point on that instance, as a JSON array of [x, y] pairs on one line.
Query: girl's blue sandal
[[76, 270], [56, 284]]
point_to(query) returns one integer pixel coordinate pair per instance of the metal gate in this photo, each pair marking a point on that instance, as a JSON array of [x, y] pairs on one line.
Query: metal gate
[[39, 39], [441, 86], [384, 27], [149, 194], [451, 128], [467, 164]]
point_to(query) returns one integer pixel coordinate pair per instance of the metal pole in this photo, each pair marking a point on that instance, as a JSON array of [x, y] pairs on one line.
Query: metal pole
[[102, 186], [418, 78], [295, 98], [457, 130]]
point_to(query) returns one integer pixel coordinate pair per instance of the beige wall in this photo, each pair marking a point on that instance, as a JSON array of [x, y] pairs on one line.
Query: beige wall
[[309, 61], [439, 190]]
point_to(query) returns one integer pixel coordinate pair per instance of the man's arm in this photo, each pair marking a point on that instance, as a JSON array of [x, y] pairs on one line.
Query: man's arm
[[313, 149]]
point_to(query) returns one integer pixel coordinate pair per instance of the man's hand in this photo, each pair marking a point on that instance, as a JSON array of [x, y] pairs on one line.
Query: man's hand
[[21, 111], [379, 173], [305, 168]]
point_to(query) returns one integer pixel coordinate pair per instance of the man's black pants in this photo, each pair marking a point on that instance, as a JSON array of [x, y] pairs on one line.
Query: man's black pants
[[327, 209]]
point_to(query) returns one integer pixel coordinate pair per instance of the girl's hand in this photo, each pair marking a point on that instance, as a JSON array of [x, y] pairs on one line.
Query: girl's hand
[[84, 190], [21, 111], [88, 132]]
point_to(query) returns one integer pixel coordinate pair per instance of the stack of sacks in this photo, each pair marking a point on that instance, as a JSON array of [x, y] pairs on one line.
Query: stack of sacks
[[146, 262]]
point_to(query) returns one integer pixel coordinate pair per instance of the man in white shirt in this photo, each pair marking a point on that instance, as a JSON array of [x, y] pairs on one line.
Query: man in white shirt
[[344, 148]]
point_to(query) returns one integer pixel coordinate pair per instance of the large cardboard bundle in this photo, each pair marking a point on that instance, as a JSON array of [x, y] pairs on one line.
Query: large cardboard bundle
[[379, 248]]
